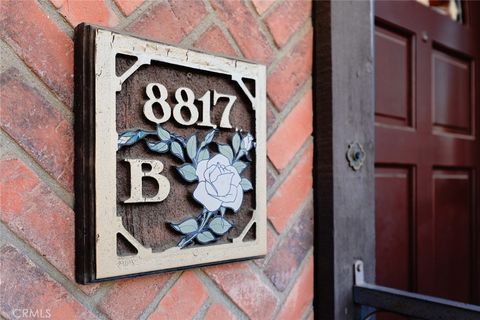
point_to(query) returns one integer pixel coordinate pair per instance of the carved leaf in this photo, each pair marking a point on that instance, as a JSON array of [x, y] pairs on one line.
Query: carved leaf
[[176, 150], [205, 237], [163, 134], [209, 137], [188, 226], [192, 147], [239, 166], [130, 137], [241, 153], [219, 226], [188, 172], [246, 184], [203, 155], [160, 147], [226, 150]]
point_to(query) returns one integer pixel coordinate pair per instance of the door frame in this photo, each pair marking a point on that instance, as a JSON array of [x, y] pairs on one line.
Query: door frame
[[343, 108], [344, 105]]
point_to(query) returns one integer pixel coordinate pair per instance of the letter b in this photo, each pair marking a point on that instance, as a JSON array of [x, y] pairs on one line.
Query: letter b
[[137, 175]]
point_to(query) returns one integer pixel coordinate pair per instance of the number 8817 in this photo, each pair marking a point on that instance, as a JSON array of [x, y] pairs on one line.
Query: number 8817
[[188, 104]]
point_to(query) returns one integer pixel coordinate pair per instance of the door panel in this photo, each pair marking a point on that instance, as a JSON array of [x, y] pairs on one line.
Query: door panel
[[427, 150], [452, 103], [453, 233], [394, 104], [394, 232]]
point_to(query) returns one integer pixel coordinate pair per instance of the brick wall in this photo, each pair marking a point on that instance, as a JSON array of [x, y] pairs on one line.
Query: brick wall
[[36, 161]]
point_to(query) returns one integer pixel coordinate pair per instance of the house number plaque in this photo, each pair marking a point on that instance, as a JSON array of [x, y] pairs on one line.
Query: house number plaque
[[170, 157]]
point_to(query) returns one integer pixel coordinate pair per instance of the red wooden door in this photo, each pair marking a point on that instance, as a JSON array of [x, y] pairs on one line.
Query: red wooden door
[[427, 150]]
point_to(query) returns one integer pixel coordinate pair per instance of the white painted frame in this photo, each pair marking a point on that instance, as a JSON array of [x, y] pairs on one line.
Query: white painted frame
[[108, 264]]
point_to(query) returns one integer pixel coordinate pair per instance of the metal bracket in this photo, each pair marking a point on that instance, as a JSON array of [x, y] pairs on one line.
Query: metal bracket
[[406, 303], [358, 273]]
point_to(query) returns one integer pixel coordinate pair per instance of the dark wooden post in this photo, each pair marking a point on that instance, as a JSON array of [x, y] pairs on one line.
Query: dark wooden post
[[343, 114]]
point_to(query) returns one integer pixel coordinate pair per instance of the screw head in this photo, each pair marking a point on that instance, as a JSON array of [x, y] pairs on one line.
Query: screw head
[[424, 36]]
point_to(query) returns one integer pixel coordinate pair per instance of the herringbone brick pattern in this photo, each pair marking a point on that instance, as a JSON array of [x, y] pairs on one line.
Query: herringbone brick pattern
[[36, 161]]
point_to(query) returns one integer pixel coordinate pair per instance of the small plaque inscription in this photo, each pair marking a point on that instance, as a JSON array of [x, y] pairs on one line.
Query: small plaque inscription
[[170, 157]]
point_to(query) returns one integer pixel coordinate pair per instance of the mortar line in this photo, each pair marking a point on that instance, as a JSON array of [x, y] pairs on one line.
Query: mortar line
[[283, 235], [198, 31], [219, 296], [295, 99], [271, 8], [281, 238], [265, 280], [308, 311], [294, 218], [290, 45], [273, 171], [137, 13], [285, 173], [160, 295], [228, 35], [100, 294], [270, 225], [202, 311], [60, 21], [33, 80], [13, 148], [293, 281], [116, 10], [269, 255], [290, 105], [262, 27], [50, 270]]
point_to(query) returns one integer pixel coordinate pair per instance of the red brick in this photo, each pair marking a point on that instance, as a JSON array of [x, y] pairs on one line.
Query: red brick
[[293, 250], [218, 311], [214, 40], [37, 126], [92, 11], [26, 286], [244, 29], [16, 181], [271, 242], [127, 299], [43, 46], [291, 72], [292, 193], [170, 21], [244, 287], [301, 296], [184, 299], [37, 215], [262, 5], [292, 133], [128, 6], [286, 18]]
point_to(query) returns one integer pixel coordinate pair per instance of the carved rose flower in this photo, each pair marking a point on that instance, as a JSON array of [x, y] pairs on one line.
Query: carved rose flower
[[219, 184], [247, 142]]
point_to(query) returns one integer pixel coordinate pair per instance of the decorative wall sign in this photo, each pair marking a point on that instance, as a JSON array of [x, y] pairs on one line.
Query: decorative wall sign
[[170, 157]]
